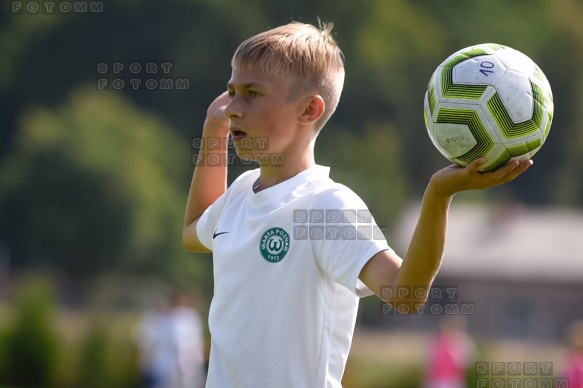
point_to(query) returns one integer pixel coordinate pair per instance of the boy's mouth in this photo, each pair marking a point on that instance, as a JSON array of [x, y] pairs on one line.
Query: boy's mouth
[[238, 134]]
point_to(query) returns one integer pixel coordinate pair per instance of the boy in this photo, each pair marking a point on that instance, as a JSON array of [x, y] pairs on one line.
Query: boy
[[284, 305]]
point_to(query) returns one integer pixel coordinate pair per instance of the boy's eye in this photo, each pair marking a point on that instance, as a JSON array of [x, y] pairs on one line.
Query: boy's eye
[[252, 93]]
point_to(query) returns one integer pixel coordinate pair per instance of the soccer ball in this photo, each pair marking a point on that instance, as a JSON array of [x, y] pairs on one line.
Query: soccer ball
[[488, 101]]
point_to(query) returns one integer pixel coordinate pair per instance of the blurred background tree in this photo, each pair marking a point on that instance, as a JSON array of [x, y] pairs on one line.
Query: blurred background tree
[[94, 186], [31, 348]]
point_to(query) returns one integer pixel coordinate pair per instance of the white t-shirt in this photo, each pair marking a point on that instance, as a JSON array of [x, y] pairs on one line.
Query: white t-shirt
[[286, 264]]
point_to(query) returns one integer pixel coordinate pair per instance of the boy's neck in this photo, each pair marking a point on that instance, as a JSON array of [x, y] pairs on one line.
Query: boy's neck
[[270, 175]]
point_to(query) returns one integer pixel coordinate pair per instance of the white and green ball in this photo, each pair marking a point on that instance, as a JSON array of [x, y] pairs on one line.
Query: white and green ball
[[488, 101]]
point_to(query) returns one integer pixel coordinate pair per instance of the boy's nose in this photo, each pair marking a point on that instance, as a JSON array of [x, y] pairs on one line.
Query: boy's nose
[[233, 109]]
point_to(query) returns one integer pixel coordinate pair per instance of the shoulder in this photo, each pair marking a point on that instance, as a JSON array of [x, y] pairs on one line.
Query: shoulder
[[235, 191], [334, 195]]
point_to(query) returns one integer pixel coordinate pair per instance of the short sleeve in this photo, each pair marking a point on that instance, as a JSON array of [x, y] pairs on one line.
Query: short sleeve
[[207, 222], [344, 236]]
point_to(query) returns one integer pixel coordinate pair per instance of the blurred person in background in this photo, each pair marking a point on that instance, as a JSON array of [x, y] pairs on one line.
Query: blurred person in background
[[170, 339], [573, 371], [450, 354]]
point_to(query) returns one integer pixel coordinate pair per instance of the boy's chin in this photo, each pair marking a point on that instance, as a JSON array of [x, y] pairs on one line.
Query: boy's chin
[[246, 156]]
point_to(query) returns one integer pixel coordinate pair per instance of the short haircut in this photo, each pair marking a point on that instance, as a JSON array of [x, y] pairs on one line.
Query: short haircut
[[308, 57]]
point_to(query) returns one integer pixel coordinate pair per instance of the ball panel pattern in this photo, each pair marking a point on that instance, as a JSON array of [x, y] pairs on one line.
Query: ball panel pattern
[[488, 101]]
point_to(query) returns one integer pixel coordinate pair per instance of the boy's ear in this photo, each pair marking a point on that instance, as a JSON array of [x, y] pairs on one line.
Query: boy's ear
[[313, 108]]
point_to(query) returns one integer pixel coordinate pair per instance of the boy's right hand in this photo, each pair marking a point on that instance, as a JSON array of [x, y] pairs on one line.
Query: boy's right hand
[[453, 179], [216, 122], [208, 181]]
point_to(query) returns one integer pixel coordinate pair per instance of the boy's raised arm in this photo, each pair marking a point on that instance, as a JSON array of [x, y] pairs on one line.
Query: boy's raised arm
[[423, 258], [209, 180]]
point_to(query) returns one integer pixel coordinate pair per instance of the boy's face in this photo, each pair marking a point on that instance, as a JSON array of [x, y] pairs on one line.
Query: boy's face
[[261, 119]]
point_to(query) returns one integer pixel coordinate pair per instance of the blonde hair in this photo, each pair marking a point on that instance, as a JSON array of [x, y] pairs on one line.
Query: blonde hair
[[307, 56]]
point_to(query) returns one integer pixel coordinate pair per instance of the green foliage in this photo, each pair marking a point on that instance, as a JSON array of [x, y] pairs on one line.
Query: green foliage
[[564, 175], [107, 357], [30, 345], [372, 373], [93, 185], [397, 50], [369, 164], [36, 348], [93, 370]]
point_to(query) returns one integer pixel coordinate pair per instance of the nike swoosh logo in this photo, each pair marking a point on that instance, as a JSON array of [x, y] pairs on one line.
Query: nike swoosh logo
[[215, 234]]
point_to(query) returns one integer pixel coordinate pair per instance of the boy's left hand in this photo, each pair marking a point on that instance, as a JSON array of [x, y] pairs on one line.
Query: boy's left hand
[[454, 178]]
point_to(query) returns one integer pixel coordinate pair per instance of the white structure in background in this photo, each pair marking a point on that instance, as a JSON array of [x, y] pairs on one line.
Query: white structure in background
[[521, 267]]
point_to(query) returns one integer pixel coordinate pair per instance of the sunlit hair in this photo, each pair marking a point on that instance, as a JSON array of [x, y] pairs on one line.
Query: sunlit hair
[[304, 55]]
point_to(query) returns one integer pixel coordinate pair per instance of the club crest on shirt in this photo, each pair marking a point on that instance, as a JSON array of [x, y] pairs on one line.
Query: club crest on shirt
[[274, 244]]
